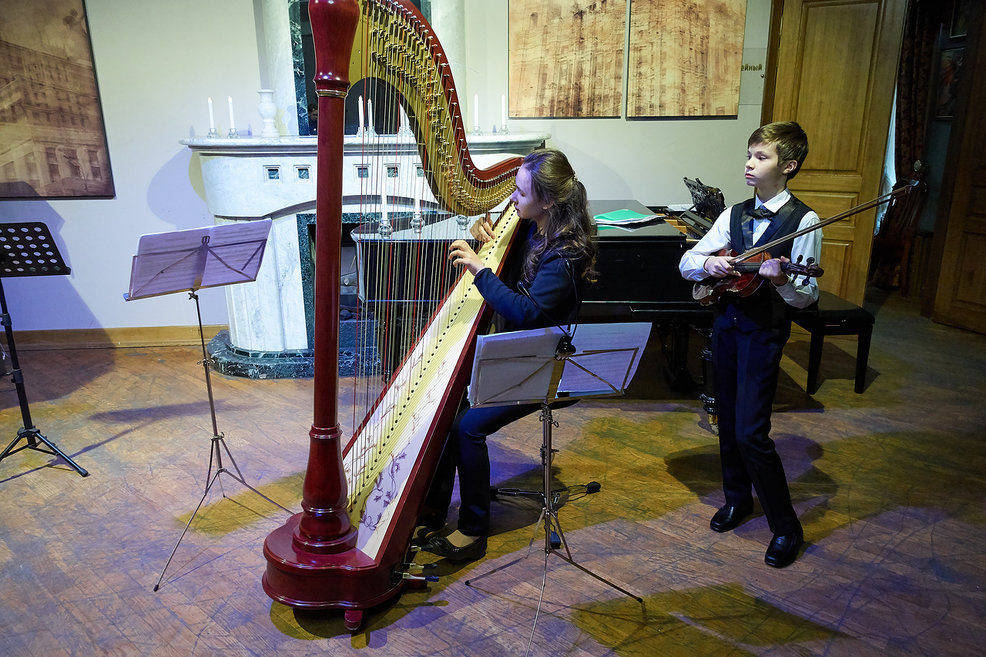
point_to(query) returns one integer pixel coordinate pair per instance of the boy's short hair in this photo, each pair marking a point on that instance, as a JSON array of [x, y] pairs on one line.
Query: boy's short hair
[[789, 139]]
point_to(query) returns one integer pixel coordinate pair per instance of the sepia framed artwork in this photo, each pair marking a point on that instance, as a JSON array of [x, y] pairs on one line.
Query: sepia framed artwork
[[685, 58], [52, 139], [565, 58]]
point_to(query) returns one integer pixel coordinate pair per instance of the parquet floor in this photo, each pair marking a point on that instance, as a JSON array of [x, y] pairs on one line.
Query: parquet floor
[[890, 485]]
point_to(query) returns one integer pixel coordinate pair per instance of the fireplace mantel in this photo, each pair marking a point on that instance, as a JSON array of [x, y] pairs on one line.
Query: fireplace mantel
[[249, 178]]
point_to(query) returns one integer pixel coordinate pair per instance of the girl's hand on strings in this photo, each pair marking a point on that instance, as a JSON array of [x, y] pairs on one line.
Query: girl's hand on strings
[[482, 229], [461, 254]]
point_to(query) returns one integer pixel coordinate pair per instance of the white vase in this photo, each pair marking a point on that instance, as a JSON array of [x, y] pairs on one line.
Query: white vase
[[267, 110]]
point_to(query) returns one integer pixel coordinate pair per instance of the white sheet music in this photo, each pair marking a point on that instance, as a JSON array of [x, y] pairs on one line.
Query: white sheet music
[[606, 358], [197, 258], [518, 367], [513, 367]]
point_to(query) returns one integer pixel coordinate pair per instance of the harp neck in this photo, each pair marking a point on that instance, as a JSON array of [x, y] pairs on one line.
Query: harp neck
[[393, 43]]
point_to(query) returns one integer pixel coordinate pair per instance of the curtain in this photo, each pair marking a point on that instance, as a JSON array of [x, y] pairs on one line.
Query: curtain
[[917, 54]]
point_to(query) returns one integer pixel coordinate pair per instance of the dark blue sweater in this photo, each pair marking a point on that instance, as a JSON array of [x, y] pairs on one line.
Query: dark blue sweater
[[554, 289]]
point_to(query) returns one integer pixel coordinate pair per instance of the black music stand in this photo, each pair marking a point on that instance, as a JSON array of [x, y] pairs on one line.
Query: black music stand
[[526, 367], [188, 260], [27, 249]]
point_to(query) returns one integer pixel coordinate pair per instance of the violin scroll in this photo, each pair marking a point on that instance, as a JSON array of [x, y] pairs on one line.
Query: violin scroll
[[809, 269]]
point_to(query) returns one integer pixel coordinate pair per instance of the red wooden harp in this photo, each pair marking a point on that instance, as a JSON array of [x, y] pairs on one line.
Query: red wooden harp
[[348, 547]]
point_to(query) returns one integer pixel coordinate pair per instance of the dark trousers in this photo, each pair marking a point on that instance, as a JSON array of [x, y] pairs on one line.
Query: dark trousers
[[466, 451], [747, 364]]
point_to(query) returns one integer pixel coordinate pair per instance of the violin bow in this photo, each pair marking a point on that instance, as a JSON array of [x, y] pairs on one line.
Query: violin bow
[[903, 189]]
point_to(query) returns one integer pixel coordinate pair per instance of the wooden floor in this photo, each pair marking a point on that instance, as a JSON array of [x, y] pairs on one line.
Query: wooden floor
[[890, 485]]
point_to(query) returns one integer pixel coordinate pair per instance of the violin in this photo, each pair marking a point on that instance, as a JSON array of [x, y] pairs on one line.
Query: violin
[[748, 264], [749, 280]]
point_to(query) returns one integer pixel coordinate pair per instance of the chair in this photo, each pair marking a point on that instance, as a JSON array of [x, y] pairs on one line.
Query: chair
[[833, 315], [891, 251]]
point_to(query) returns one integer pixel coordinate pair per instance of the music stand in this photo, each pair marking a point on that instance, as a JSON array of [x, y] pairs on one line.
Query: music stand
[[188, 260], [527, 367], [27, 249]]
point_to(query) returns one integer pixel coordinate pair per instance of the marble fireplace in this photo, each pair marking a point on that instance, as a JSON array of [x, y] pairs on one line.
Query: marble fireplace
[[250, 178]]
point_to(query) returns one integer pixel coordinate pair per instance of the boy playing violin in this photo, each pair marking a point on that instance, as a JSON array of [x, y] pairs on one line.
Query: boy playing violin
[[749, 332]]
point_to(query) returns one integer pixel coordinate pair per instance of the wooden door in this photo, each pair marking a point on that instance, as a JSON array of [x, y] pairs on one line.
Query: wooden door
[[960, 240], [836, 65]]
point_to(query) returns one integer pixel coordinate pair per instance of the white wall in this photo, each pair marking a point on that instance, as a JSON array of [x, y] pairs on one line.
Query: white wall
[[615, 158], [156, 63]]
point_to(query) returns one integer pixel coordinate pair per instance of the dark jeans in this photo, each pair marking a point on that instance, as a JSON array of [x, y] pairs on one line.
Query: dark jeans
[[466, 451]]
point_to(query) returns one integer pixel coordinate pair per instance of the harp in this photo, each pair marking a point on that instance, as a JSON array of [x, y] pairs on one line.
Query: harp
[[361, 496]]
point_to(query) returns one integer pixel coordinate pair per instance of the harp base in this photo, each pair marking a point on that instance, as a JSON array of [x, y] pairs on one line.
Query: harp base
[[349, 580]]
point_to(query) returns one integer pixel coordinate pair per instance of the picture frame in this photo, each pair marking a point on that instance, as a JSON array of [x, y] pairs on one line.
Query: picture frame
[[52, 137], [957, 26], [949, 73]]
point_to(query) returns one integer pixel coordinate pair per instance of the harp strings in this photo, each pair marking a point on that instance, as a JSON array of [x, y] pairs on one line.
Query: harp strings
[[408, 275], [412, 125]]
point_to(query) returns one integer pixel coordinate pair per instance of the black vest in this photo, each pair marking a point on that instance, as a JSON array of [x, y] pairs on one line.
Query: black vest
[[783, 223], [764, 308]]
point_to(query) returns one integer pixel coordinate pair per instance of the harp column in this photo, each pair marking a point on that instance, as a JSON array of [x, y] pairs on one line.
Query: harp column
[[300, 553]]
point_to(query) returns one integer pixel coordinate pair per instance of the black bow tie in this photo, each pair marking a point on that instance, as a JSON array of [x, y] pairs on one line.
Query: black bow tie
[[761, 213]]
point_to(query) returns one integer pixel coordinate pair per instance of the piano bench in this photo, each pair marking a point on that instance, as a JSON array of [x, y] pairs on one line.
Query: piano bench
[[833, 315]]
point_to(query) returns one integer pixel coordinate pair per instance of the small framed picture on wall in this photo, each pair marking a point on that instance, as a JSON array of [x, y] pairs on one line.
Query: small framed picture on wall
[[957, 27], [949, 74]]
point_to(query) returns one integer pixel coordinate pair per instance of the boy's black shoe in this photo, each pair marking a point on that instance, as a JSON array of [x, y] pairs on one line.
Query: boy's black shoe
[[729, 517], [783, 549]]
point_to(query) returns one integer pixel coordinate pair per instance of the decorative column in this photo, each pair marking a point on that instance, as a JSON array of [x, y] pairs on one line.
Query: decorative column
[[448, 19], [277, 63]]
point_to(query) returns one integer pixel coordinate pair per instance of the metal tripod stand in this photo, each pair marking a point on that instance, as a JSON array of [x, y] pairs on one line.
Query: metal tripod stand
[[216, 449], [554, 536], [22, 242]]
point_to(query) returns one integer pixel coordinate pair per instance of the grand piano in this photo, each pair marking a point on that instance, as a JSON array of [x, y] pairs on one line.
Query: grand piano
[[638, 265], [639, 280], [638, 277]]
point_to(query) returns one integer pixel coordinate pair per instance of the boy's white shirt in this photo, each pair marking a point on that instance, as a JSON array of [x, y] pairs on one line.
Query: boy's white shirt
[[795, 292]]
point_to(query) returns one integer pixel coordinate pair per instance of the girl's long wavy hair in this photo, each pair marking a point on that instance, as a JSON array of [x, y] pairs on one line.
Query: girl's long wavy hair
[[569, 230]]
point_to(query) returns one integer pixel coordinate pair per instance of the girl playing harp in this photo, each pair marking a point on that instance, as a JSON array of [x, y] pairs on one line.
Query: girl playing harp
[[557, 258]]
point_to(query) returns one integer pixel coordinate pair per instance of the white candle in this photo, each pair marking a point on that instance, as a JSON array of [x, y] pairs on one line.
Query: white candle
[[232, 122], [362, 119], [417, 197], [503, 110], [212, 117]]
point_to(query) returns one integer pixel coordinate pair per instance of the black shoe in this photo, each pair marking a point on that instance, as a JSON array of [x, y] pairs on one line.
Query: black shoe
[[729, 517], [442, 547], [424, 532], [783, 549]]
